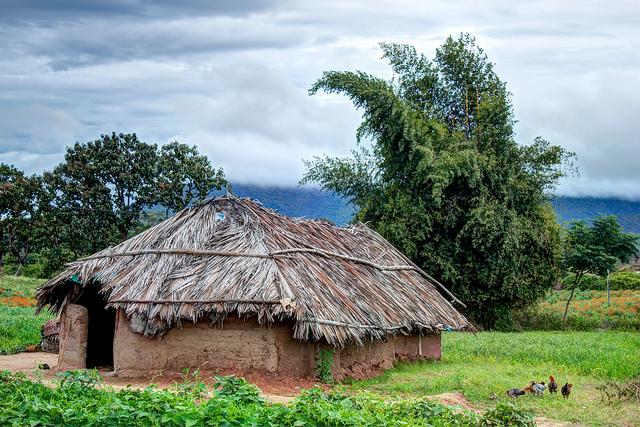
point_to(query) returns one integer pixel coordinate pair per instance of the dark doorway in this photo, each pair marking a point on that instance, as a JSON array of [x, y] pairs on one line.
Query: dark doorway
[[102, 324]]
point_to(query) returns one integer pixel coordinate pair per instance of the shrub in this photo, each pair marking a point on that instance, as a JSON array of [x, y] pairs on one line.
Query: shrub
[[623, 280], [587, 283]]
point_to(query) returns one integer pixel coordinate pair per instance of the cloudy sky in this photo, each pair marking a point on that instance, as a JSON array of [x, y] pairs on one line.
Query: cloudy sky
[[231, 76]]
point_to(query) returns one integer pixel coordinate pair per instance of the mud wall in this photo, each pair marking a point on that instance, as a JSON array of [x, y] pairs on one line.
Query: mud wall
[[238, 346], [74, 330], [241, 347]]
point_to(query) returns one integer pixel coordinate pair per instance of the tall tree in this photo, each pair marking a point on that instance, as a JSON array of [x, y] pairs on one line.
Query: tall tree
[[445, 181], [18, 213], [108, 182], [184, 176], [596, 249]]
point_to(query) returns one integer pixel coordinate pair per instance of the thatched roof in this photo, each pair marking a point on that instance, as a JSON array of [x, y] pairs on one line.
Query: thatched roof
[[231, 255]]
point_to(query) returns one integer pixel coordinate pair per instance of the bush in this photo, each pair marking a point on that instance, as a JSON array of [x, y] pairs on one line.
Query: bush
[[623, 280], [618, 280], [594, 283]]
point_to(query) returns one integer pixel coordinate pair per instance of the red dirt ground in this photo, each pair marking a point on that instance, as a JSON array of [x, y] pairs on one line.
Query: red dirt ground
[[281, 388]]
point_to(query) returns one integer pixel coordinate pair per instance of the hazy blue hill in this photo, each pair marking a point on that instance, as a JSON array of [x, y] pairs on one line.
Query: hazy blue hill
[[577, 208], [305, 202], [298, 202]]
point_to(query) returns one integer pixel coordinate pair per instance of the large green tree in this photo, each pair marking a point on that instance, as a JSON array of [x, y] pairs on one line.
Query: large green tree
[[596, 249], [18, 213], [443, 178], [107, 183], [105, 190], [184, 176]]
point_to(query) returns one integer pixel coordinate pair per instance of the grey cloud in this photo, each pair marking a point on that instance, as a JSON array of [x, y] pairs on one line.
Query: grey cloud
[[42, 12], [232, 77], [88, 43]]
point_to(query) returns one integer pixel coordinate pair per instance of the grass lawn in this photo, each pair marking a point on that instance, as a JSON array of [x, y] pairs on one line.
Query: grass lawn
[[18, 325], [477, 365]]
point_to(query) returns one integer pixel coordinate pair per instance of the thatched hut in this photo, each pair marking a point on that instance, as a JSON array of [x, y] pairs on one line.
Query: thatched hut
[[242, 288]]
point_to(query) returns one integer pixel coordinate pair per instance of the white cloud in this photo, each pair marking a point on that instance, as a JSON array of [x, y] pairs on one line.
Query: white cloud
[[232, 77]]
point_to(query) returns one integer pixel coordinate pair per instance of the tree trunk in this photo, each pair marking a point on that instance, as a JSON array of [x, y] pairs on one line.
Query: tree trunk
[[573, 289]]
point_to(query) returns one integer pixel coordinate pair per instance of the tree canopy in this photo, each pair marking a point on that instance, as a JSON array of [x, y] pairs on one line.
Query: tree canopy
[[596, 249], [99, 195], [438, 173]]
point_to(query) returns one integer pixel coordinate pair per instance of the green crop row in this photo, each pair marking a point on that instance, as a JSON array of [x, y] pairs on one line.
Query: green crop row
[[81, 399]]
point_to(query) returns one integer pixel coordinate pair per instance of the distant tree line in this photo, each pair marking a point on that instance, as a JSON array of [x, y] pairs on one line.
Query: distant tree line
[[102, 193]]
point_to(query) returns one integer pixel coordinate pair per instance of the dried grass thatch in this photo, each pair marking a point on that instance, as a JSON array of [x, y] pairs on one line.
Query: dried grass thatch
[[232, 255]]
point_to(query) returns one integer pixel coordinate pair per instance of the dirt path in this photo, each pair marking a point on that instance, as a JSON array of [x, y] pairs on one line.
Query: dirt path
[[276, 390]]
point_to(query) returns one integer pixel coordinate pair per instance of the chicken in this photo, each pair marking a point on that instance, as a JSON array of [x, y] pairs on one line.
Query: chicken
[[553, 385], [530, 388], [539, 388], [566, 390], [515, 393]]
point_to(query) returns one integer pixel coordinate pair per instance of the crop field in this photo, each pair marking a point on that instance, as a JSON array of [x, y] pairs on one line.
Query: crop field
[[589, 310]]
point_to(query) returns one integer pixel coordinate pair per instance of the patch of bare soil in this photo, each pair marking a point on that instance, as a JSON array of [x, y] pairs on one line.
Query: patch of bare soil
[[276, 389], [454, 399]]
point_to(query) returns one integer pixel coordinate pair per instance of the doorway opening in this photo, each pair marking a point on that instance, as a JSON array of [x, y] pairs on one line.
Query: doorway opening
[[102, 324]]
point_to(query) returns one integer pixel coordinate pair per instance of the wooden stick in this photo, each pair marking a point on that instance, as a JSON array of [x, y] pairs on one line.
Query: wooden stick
[[351, 325], [193, 301], [174, 251], [274, 254]]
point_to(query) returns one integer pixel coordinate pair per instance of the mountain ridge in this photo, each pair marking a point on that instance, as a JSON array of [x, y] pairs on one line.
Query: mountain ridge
[[313, 203]]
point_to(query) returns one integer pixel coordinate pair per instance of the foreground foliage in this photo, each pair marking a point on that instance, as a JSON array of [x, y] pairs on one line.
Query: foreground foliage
[[81, 399], [445, 182]]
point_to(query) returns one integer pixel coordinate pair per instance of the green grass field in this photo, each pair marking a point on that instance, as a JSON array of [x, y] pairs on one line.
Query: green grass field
[[18, 325], [491, 362]]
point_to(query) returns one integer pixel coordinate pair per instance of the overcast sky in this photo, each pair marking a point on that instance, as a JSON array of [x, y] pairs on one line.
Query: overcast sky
[[232, 76]]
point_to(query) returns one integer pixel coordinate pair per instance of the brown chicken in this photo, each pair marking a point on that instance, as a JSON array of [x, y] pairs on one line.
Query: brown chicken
[[566, 390], [553, 385], [530, 388]]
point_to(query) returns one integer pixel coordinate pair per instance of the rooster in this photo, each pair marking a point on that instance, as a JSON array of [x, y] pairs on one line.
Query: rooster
[[539, 388], [515, 393], [553, 385], [566, 390]]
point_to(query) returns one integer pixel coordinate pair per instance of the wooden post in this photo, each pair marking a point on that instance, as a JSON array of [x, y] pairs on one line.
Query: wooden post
[[608, 292]]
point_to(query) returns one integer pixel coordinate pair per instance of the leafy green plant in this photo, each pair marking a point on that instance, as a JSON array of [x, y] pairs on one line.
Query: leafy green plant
[[88, 378], [507, 414], [191, 384], [623, 280], [323, 368], [238, 390]]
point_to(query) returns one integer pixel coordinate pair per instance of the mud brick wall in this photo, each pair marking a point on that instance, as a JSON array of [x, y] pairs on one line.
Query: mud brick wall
[[243, 346]]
